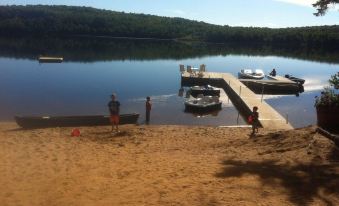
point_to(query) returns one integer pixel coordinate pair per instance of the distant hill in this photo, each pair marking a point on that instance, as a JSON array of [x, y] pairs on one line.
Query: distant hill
[[40, 20]]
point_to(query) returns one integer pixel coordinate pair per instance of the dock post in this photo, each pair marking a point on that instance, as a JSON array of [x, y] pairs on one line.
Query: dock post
[[262, 93], [240, 91], [286, 118]]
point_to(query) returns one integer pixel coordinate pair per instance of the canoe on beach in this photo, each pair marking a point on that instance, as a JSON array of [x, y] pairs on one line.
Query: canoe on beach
[[33, 122]]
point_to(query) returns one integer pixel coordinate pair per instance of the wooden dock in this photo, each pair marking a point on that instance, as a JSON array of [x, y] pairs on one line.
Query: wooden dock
[[242, 97]]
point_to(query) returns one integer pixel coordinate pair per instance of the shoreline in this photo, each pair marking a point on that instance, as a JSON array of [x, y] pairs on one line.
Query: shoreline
[[167, 165]]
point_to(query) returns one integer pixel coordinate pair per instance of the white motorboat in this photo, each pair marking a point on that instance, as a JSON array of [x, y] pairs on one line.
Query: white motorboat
[[249, 74], [206, 90], [203, 103]]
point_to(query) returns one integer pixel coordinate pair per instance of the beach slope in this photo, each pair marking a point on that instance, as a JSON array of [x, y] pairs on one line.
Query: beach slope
[[167, 165]]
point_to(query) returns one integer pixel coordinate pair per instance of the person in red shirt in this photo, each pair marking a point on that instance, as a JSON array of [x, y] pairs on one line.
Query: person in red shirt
[[148, 109], [255, 120], [114, 109]]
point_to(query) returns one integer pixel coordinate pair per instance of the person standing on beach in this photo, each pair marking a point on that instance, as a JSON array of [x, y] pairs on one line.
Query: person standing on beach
[[255, 120], [148, 109], [114, 109]]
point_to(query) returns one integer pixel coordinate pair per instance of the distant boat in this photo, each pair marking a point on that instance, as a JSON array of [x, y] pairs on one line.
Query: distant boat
[[31, 122], [249, 74], [206, 90], [46, 59], [203, 104]]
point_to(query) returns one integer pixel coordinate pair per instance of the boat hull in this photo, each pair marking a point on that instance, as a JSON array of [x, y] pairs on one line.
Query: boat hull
[[248, 76], [295, 79], [271, 77], [202, 109], [72, 121], [265, 87], [205, 92]]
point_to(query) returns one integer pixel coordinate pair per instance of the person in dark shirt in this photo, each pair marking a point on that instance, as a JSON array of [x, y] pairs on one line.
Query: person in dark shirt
[[114, 109], [273, 73], [148, 109], [255, 120]]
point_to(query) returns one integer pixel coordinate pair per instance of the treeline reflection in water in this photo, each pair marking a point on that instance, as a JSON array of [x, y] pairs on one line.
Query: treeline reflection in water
[[90, 49]]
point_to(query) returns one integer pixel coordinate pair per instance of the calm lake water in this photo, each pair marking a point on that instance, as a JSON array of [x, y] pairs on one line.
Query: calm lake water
[[82, 84]]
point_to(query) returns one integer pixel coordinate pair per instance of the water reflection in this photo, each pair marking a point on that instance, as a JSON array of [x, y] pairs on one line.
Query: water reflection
[[214, 113], [315, 83], [108, 49]]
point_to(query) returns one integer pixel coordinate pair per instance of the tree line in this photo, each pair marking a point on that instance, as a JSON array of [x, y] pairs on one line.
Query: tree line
[[88, 49], [41, 20]]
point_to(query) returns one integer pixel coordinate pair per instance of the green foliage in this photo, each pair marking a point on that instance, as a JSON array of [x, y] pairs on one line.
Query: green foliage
[[329, 96], [334, 81], [43, 21], [322, 6]]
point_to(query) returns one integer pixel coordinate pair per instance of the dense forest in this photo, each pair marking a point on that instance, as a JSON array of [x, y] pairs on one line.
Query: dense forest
[[40, 20]]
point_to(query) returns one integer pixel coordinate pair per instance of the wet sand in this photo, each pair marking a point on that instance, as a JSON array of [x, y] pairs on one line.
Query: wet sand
[[167, 165]]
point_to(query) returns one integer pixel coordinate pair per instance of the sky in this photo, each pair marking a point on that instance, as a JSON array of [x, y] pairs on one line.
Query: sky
[[256, 13]]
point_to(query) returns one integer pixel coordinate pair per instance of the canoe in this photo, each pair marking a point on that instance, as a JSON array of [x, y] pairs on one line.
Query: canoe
[[204, 104], [45, 59], [249, 74], [32, 122], [205, 90]]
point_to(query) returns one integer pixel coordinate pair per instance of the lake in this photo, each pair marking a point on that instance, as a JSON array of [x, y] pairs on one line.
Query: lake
[[133, 69]]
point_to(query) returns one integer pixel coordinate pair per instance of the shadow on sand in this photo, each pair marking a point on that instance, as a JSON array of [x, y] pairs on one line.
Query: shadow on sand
[[16, 130], [302, 182]]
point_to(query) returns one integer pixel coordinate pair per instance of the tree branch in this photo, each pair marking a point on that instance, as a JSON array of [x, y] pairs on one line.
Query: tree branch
[[322, 6]]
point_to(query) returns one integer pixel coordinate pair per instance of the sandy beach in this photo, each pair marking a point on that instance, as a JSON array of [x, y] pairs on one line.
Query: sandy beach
[[167, 165]]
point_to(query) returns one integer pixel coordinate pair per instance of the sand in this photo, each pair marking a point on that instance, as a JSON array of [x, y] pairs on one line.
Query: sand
[[166, 165]]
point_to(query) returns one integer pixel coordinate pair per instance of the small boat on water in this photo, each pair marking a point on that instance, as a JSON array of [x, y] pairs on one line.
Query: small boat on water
[[203, 104], [249, 74], [33, 122], [206, 90], [274, 87], [295, 79], [47, 59]]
